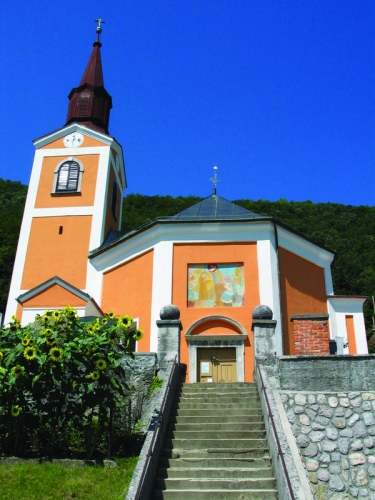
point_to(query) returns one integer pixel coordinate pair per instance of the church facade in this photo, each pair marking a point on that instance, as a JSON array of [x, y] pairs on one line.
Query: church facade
[[216, 261]]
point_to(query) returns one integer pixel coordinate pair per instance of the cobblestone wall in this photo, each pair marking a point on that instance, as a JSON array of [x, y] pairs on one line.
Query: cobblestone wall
[[335, 434]]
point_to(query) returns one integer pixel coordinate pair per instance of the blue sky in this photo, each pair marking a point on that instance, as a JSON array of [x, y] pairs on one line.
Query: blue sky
[[279, 94]]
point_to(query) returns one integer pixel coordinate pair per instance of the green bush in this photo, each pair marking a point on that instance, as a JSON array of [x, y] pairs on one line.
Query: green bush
[[62, 382]]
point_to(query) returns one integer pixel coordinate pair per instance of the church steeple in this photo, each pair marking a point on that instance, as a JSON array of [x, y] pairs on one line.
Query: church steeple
[[90, 103]]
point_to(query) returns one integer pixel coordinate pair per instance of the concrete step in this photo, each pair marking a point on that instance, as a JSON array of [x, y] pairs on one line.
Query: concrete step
[[241, 421], [215, 495], [199, 394], [263, 483], [207, 463], [209, 444], [215, 405], [208, 425], [212, 388], [219, 398], [215, 473], [214, 385], [221, 453], [215, 412], [205, 434]]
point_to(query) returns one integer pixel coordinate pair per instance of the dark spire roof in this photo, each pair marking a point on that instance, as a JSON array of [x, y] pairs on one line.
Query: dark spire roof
[[215, 208], [90, 103]]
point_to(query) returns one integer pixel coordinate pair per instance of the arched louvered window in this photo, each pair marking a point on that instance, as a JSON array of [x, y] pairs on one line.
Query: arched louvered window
[[68, 176], [114, 199]]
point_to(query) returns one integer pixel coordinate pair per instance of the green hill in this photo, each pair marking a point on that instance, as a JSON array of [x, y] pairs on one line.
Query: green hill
[[348, 230]]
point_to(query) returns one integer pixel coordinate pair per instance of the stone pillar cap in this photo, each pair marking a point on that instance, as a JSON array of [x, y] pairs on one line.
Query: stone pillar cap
[[169, 312], [262, 312]]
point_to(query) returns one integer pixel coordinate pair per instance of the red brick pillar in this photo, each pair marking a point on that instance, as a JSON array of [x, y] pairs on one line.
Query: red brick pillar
[[311, 334]]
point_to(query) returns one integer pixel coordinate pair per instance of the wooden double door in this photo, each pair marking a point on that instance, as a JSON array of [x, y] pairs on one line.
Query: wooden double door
[[217, 364]]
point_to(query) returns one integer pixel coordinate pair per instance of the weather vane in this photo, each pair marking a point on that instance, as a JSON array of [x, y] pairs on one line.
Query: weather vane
[[214, 179], [99, 27]]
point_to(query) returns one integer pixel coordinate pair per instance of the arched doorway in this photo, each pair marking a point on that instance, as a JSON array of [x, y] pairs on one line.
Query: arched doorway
[[216, 350]]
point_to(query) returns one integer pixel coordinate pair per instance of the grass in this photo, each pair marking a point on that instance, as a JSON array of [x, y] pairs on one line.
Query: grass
[[54, 482]]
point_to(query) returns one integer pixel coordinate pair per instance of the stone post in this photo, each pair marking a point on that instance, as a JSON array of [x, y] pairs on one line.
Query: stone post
[[169, 328], [263, 328]]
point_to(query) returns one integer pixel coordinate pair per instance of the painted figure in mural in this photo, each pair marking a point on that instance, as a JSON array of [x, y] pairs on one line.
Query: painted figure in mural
[[216, 285], [227, 297], [203, 286]]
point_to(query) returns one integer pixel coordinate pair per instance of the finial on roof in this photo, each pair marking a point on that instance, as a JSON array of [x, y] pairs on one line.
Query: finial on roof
[[99, 29], [90, 103], [214, 179]]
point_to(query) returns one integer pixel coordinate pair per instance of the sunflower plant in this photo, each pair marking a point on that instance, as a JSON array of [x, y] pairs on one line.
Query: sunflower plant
[[58, 373]]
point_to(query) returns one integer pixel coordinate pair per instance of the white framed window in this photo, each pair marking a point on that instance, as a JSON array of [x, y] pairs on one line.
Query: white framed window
[[68, 177]]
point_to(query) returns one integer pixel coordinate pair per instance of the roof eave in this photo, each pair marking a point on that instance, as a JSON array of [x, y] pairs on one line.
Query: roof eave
[[149, 225]]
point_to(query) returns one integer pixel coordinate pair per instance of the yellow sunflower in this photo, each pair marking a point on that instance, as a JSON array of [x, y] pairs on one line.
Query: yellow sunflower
[[18, 370], [124, 321], [110, 315], [56, 354], [31, 341], [104, 321], [56, 314], [13, 328], [45, 319], [138, 334], [90, 330], [16, 410], [25, 341], [101, 364], [29, 353], [95, 375]]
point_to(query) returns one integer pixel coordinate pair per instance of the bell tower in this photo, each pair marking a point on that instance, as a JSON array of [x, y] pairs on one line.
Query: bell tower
[[73, 202]]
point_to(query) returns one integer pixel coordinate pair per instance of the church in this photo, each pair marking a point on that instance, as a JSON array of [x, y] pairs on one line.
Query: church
[[215, 261]]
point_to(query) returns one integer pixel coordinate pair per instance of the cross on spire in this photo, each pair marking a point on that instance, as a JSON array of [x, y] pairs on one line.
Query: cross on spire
[[214, 179], [99, 27]]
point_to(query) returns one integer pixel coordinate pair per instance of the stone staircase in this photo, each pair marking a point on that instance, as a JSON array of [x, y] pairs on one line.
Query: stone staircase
[[215, 447]]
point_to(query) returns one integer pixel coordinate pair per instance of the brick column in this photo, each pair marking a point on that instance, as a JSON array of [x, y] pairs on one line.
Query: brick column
[[310, 333]]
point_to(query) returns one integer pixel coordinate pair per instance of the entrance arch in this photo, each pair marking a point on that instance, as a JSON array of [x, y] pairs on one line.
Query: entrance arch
[[216, 332]]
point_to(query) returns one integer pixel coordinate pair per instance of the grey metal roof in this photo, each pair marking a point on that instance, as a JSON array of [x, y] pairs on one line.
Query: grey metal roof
[[211, 209], [214, 208]]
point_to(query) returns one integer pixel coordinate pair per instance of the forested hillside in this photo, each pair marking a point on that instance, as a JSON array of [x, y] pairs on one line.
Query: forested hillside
[[12, 201], [348, 230]]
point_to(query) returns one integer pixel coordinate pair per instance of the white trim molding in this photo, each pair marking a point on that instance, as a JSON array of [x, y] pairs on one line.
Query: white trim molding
[[341, 306]]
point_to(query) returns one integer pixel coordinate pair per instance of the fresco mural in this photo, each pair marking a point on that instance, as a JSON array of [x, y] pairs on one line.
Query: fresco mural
[[216, 285]]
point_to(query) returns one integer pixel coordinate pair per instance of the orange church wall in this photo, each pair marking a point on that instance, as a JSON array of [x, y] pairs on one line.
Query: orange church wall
[[110, 222], [303, 291], [349, 321], [19, 312], [218, 253], [55, 296], [85, 198], [52, 254], [127, 289], [87, 142], [215, 327]]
